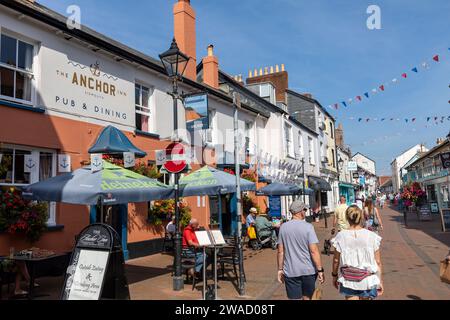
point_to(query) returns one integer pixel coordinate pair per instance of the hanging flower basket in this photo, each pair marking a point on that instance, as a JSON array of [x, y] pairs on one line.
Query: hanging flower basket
[[22, 217]]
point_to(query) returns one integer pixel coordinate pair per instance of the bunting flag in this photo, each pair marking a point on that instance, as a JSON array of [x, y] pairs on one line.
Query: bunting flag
[[437, 119], [382, 88]]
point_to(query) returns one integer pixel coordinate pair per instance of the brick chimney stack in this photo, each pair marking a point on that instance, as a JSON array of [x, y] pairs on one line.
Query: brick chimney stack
[[279, 78], [185, 34], [339, 132], [211, 68]]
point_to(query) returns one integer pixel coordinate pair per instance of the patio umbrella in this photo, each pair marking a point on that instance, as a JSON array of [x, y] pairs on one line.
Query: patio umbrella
[[279, 189], [210, 181], [112, 185], [113, 141]]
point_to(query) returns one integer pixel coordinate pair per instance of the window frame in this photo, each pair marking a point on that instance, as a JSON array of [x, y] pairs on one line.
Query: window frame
[[140, 109], [52, 205], [15, 69], [289, 138]]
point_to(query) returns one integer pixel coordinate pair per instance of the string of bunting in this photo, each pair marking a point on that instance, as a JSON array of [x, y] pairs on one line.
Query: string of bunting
[[426, 65], [429, 119]]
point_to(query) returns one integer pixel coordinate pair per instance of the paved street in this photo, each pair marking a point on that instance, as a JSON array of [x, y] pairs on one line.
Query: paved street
[[411, 266], [410, 255]]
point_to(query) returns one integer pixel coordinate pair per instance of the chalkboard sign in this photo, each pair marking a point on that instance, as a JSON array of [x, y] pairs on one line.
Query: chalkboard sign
[[96, 270], [434, 207], [445, 216], [275, 206], [425, 213]]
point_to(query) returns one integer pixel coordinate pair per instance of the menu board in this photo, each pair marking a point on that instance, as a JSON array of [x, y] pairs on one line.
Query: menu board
[[275, 206], [210, 238], [425, 213], [87, 281], [445, 216]]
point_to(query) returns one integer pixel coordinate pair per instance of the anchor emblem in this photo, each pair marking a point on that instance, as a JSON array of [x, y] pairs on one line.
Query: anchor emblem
[[64, 164], [30, 165], [95, 69]]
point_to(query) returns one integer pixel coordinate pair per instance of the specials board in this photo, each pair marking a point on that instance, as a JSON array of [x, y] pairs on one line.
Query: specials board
[[96, 267], [425, 213], [445, 217]]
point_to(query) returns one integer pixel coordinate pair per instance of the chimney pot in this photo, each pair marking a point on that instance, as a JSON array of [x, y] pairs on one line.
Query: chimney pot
[[250, 73], [282, 67], [260, 71], [266, 70], [255, 74], [277, 68], [210, 50], [271, 69]]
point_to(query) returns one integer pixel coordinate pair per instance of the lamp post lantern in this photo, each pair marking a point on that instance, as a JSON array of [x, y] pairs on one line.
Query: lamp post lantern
[[175, 63]]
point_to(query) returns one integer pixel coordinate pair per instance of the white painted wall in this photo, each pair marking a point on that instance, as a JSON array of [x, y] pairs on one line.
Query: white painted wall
[[400, 161]]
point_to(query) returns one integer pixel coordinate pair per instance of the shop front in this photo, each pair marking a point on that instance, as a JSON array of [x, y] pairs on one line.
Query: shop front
[[437, 189], [348, 191]]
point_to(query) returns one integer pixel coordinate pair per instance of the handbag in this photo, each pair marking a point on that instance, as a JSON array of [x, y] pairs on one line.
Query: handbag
[[251, 233], [445, 272], [355, 274]]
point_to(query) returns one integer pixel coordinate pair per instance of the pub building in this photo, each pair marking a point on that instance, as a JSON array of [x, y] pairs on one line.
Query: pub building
[[60, 87]]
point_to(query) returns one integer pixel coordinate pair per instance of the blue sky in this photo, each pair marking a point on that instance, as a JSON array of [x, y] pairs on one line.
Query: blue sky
[[327, 49]]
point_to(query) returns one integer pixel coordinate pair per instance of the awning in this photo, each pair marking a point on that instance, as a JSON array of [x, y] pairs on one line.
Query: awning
[[346, 185], [319, 184], [113, 141]]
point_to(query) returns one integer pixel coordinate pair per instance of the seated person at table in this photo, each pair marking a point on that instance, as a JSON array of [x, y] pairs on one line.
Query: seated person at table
[[171, 227], [190, 242], [264, 227], [21, 271]]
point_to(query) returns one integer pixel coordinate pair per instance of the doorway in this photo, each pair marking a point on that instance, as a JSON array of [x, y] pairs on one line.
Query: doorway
[[115, 216]]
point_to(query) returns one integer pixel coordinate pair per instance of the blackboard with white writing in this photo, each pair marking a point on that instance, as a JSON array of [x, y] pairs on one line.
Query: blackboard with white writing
[[445, 215], [425, 213], [96, 269]]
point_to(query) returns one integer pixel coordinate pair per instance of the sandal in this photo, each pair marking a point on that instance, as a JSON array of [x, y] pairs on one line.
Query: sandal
[[20, 293]]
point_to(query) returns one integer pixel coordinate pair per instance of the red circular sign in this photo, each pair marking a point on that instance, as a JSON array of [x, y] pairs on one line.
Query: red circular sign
[[175, 158]]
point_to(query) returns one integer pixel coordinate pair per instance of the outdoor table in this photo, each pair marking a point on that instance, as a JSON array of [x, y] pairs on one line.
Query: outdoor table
[[31, 265]]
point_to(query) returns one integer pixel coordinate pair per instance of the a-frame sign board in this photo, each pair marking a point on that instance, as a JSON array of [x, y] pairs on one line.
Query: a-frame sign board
[[96, 270]]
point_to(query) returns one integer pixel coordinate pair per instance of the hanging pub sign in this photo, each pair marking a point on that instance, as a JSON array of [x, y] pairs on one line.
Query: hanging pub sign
[[96, 269], [31, 163], [196, 112], [64, 163], [129, 159], [96, 162], [445, 158]]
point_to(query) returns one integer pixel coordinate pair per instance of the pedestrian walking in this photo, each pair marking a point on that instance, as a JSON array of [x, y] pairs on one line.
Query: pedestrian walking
[[299, 261], [383, 200], [357, 266], [372, 217], [340, 219]]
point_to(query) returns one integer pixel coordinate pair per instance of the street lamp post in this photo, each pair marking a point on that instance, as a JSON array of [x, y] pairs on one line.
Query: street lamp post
[[236, 105], [175, 63]]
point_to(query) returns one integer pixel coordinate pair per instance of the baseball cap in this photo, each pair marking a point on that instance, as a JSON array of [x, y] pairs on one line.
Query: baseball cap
[[298, 206], [253, 210]]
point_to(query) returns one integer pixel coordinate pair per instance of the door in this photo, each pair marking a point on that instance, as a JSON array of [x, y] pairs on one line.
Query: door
[[117, 217]]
